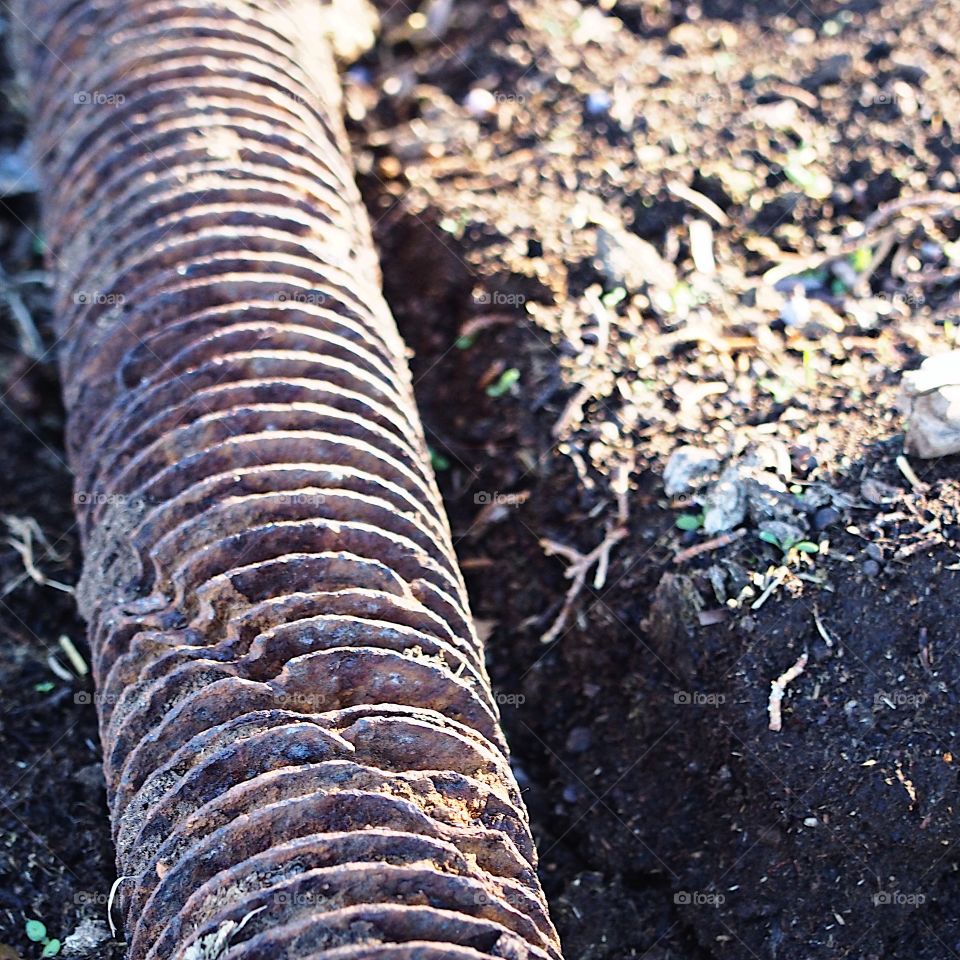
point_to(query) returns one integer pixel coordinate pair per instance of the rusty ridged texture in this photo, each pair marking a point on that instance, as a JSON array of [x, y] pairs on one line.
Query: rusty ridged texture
[[302, 750]]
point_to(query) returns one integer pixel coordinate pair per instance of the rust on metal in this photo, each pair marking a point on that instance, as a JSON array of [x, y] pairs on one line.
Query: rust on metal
[[302, 749]]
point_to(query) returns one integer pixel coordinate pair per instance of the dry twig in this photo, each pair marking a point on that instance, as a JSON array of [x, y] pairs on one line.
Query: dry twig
[[778, 688], [708, 546], [579, 567]]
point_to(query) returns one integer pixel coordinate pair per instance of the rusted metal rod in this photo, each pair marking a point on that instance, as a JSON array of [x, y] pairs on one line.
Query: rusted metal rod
[[302, 750]]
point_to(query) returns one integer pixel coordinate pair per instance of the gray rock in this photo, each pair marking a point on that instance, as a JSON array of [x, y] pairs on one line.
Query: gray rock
[[825, 517], [579, 740], [86, 940], [831, 70], [931, 401], [629, 261], [786, 534], [725, 503], [18, 173], [687, 468]]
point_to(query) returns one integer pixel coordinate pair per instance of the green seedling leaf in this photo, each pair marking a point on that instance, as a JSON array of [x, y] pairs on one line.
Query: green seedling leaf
[[819, 276], [817, 186], [44, 687], [505, 381], [807, 546], [861, 258], [51, 948], [780, 390], [36, 931], [615, 296], [464, 343], [768, 537], [689, 521], [439, 461]]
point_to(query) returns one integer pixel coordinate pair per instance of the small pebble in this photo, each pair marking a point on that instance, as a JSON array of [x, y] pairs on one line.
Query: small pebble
[[579, 740], [874, 551], [878, 51], [480, 103], [571, 794], [825, 517], [802, 459], [871, 568], [598, 103]]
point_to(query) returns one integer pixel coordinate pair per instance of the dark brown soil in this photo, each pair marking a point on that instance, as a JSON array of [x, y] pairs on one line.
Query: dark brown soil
[[672, 822]]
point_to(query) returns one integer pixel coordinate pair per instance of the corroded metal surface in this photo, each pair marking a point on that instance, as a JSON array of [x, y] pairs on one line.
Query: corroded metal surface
[[302, 749]]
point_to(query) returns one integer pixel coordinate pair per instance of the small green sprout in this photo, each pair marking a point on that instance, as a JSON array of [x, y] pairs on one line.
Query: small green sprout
[[817, 277], [689, 521], [809, 373], [861, 258], [789, 545], [780, 389], [615, 296], [36, 932], [44, 686], [504, 382], [817, 186], [439, 461], [465, 342]]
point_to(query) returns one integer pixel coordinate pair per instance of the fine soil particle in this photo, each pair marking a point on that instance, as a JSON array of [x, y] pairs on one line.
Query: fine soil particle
[[568, 334]]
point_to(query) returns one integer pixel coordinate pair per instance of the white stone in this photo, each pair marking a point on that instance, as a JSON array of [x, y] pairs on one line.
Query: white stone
[[931, 401]]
